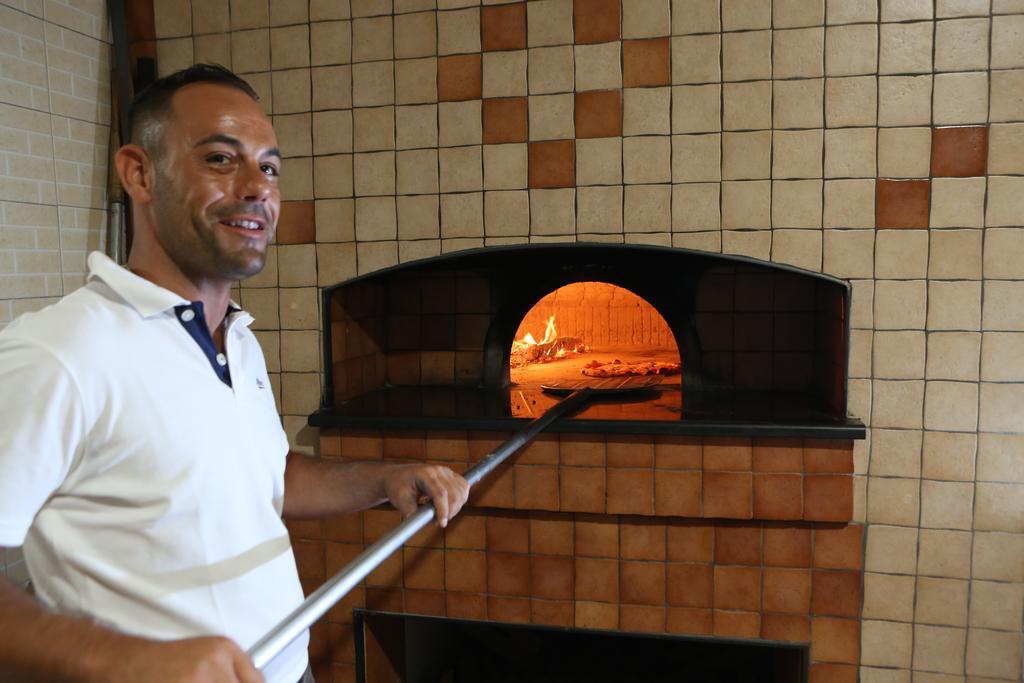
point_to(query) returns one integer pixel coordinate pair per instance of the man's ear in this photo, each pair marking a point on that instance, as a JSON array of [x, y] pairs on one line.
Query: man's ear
[[135, 168]]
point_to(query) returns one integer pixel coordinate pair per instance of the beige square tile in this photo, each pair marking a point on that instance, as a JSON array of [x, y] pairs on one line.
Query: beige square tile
[[698, 241], [900, 305], [946, 505], [461, 169], [850, 101], [646, 111], [506, 166], [998, 556], [300, 349], [462, 215], [599, 161], [957, 203], [895, 453], [418, 217], [1000, 357], [174, 54], [889, 549], [862, 304], [459, 123], [265, 278], [376, 219], [213, 48], [904, 152], [695, 59], [901, 254], [954, 355], [757, 245], [904, 100], [961, 44], [996, 605], [793, 13], [848, 253], [800, 248], [293, 135], [647, 159], [897, 404], [905, 48], [416, 126], [415, 35], [297, 179], [330, 42], [211, 17], [944, 553], [960, 98], [948, 456], [999, 457], [798, 103], [332, 87], [506, 213], [850, 153], [851, 50], [373, 84], [553, 212], [374, 128], [374, 173], [696, 158], [598, 67], [695, 16], [797, 204], [938, 648], [1007, 42], [551, 117], [320, 10], [647, 208], [171, 18], [550, 69], [954, 305], [299, 308], [458, 31], [250, 50], [859, 401], [335, 220], [417, 171], [249, 14], [270, 342], [797, 154], [745, 56], [1005, 202], [1001, 311], [747, 106], [798, 53], [1000, 507], [955, 254], [416, 80], [945, 9], [899, 354], [849, 204], [369, 8], [289, 47], [1006, 148], [599, 209], [373, 256], [893, 501], [504, 74], [850, 11], [746, 204], [889, 597], [741, 16], [296, 265], [906, 10], [746, 155], [657, 239], [646, 19], [263, 304], [372, 39], [549, 22], [696, 108], [885, 643], [695, 207], [1007, 95], [284, 12]]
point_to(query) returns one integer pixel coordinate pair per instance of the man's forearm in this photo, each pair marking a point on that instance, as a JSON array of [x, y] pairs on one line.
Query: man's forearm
[[321, 488]]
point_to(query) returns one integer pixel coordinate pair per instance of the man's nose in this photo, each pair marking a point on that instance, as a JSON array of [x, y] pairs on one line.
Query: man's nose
[[253, 184]]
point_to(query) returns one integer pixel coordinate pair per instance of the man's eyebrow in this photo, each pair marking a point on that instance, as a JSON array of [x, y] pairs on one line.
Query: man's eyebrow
[[236, 143]]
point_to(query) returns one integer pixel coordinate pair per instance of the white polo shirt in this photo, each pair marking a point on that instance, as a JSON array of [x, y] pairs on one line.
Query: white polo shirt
[[147, 491]]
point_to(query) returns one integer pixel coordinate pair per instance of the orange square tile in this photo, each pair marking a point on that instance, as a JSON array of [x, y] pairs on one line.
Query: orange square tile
[[690, 585], [504, 120], [552, 163], [738, 544], [536, 487], [901, 203], [688, 620], [378, 522], [447, 446], [677, 493], [482, 444], [465, 571], [387, 574], [642, 583], [836, 594], [727, 454], [424, 568], [459, 78], [824, 672], [551, 577], [738, 588], [430, 603], [551, 534], [542, 450], [596, 537], [690, 541], [598, 114], [828, 456], [582, 450], [343, 642], [835, 640], [503, 27], [642, 619], [310, 559], [362, 445], [305, 529], [840, 547], [959, 151], [346, 528], [631, 492], [778, 455], [778, 496], [405, 445], [628, 450], [467, 531], [509, 533], [465, 605], [646, 62], [430, 536], [597, 579], [497, 490], [508, 574], [642, 538], [737, 624], [786, 627], [595, 21], [828, 497], [787, 590], [385, 599], [582, 489], [330, 443], [509, 610], [297, 223], [678, 452], [341, 613], [597, 615], [551, 612], [728, 495]]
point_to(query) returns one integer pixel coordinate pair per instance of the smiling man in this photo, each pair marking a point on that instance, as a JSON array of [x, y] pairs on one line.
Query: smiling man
[[143, 466]]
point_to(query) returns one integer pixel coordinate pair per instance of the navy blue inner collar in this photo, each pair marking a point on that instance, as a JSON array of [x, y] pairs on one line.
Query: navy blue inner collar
[[193, 319]]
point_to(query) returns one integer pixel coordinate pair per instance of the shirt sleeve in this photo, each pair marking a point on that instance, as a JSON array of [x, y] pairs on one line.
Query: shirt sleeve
[[41, 432]]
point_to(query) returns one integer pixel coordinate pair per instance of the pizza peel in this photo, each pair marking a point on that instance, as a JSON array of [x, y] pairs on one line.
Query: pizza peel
[[577, 394]]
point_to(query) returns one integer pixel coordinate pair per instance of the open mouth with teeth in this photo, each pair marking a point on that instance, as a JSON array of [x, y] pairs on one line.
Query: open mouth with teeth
[[243, 224]]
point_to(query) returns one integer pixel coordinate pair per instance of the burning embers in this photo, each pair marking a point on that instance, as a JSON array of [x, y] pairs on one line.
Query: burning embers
[[528, 350]]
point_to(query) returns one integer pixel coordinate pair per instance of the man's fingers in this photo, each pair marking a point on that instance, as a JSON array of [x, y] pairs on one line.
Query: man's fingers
[[245, 671]]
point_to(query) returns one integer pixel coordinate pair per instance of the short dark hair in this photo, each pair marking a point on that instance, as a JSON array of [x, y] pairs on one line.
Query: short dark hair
[[153, 102]]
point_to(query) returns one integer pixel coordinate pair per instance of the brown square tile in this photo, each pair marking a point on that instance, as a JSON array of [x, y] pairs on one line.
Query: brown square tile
[[596, 21], [901, 203], [786, 627], [344, 528], [778, 496], [786, 546], [551, 577], [465, 571], [550, 534], [646, 62], [738, 588], [405, 445], [778, 455], [959, 151], [597, 615], [825, 672], [378, 522], [596, 537], [642, 619], [690, 585], [508, 533], [828, 456], [828, 497], [688, 620], [690, 541], [309, 559], [839, 547], [598, 114], [597, 579], [642, 538], [727, 454], [787, 590], [388, 573], [467, 531], [728, 495], [678, 452], [835, 640], [340, 554], [385, 599], [552, 163], [505, 120], [551, 612], [511, 610], [737, 624], [738, 545], [503, 27], [459, 78], [642, 583], [543, 450], [836, 594], [536, 487], [465, 605], [305, 529], [582, 489], [581, 450], [631, 492], [628, 450], [430, 603], [423, 568], [677, 493], [498, 490], [297, 223], [508, 574]]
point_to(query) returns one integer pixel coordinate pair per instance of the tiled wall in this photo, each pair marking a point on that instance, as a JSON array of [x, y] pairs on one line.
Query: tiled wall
[[54, 141]]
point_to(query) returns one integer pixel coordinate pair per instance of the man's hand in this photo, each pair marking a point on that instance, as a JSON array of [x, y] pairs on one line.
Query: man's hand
[[195, 660], [409, 485]]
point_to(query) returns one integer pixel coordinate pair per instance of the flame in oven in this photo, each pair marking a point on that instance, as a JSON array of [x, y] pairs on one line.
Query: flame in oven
[[528, 350]]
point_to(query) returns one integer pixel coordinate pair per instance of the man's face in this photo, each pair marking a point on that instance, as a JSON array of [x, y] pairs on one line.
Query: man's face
[[216, 199]]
